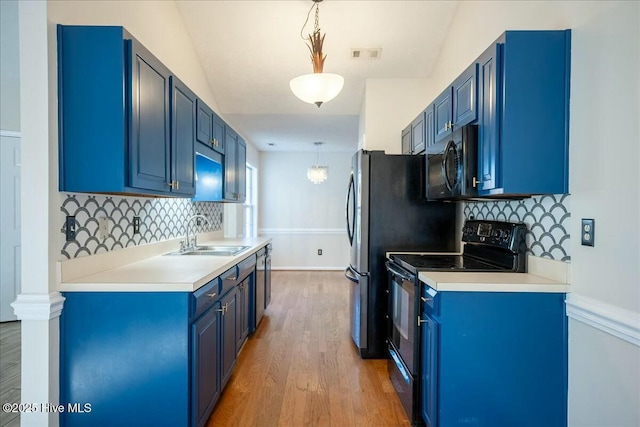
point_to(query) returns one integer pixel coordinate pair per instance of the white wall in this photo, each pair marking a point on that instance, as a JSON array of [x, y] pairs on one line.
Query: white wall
[[303, 217], [157, 25], [604, 380], [9, 67], [388, 107]]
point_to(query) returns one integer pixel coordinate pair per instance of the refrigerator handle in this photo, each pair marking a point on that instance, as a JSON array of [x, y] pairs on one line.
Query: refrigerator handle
[[350, 274], [350, 222]]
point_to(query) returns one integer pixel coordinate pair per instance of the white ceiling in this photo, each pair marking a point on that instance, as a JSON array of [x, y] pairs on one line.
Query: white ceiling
[[251, 49]]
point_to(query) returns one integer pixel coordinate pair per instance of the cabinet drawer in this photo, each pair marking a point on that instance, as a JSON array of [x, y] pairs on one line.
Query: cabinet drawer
[[228, 279], [205, 297], [246, 267], [430, 299]]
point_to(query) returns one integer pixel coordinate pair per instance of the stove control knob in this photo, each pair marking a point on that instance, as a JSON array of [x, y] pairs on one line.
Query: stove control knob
[[506, 235]]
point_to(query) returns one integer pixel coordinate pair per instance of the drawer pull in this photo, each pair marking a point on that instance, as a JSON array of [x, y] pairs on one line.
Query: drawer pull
[[420, 321], [212, 295], [426, 299]]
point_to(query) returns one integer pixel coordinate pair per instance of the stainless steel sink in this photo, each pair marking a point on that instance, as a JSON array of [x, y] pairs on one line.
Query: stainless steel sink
[[219, 250]]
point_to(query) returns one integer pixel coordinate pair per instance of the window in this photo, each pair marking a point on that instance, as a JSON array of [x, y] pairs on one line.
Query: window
[[251, 203]]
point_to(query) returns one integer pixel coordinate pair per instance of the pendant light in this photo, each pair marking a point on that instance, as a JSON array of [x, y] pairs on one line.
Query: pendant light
[[319, 87], [317, 174]]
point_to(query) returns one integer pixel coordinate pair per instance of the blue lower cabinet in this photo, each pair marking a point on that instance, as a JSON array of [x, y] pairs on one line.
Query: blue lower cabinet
[[205, 367], [495, 360], [147, 358], [229, 337], [127, 355]]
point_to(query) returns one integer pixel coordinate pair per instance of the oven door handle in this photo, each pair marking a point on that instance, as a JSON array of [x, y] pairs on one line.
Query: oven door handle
[[401, 274]]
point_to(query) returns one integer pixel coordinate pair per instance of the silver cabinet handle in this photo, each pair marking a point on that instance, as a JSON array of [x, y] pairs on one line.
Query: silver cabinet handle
[[426, 299], [476, 182], [212, 295], [420, 321]]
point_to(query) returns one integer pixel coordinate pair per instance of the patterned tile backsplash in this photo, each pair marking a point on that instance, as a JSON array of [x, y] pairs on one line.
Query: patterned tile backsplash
[[160, 219], [547, 219]]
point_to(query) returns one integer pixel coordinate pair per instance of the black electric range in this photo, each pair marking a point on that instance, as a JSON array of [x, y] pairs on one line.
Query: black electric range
[[489, 246]]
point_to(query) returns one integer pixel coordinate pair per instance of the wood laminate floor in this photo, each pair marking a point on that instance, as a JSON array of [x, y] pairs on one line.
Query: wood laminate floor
[[9, 371], [300, 367]]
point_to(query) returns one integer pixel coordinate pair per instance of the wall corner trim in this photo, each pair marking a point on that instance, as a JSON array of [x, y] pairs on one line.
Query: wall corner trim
[[38, 306], [616, 321]]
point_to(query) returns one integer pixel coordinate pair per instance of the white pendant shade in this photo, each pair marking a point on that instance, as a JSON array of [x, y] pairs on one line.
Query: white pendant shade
[[317, 174], [317, 88]]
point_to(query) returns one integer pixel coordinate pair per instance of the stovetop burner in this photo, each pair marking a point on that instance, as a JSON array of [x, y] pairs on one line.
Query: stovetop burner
[[489, 246]]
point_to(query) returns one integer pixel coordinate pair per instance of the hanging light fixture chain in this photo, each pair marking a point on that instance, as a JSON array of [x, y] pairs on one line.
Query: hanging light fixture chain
[[315, 4]]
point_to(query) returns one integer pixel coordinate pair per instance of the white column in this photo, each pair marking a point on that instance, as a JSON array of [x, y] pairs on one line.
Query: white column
[[39, 305]]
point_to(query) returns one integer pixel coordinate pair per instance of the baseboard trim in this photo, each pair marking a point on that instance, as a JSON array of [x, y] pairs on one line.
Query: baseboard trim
[[619, 322], [341, 268], [301, 231]]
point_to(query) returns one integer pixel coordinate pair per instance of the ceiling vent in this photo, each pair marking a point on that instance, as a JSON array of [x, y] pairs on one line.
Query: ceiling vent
[[359, 53]]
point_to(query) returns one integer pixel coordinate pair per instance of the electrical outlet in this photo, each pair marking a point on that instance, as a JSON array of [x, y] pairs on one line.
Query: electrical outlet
[[319, 251], [136, 225], [103, 228], [588, 231], [70, 228]]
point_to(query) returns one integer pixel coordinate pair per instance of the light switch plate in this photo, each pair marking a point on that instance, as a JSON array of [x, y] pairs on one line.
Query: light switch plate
[[587, 231]]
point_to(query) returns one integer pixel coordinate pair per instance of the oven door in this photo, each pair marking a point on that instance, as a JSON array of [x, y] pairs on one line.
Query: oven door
[[403, 317]]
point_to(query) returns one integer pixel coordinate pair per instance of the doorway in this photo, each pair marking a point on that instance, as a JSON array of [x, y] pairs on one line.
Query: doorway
[[9, 223]]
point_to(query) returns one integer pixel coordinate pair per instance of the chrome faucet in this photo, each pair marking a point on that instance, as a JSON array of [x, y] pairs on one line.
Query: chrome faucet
[[187, 243]]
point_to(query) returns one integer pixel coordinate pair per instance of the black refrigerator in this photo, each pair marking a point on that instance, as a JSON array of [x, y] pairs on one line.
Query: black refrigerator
[[387, 211]]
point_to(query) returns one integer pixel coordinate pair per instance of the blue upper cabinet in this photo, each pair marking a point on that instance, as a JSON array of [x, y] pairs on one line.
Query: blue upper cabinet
[[116, 112], [418, 141], [183, 131], [523, 121], [210, 128], [456, 106], [442, 108], [149, 147], [235, 160], [406, 140], [429, 126]]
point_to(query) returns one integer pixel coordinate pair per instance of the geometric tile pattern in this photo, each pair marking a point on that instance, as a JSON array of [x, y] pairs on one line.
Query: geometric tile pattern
[[547, 218], [160, 219]]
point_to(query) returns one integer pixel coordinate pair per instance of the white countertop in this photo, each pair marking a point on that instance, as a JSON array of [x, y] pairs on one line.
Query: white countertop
[[164, 273], [490, 282]]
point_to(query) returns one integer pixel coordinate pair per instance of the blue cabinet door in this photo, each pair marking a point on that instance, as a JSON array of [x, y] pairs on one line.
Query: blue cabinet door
[[418, 141], [241, 168], [218, 132], [489, 65], [406, 140], [442, 110], [204, 130], [230, 159], [210, 128], [465, 99], [149, 140], [229, 335], [429, 127], [205, 365], [183, 133], [429, 380]]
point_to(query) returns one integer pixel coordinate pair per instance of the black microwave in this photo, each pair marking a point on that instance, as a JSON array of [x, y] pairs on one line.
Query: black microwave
[[451, 165]]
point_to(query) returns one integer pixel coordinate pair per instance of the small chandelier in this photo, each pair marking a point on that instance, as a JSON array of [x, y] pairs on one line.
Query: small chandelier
[[317, 174], [318, 87]]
